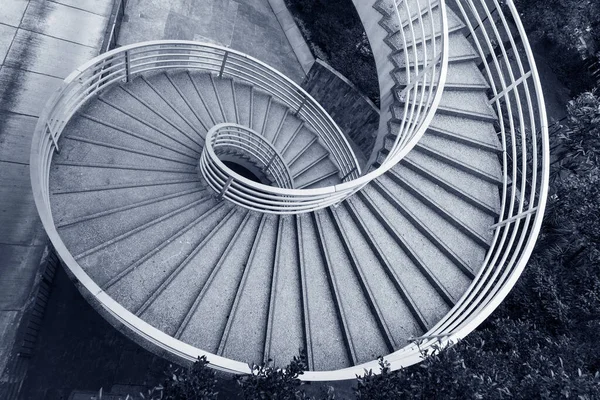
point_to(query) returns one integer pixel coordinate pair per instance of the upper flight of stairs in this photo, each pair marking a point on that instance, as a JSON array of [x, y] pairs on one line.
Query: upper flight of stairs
[[346, 283]]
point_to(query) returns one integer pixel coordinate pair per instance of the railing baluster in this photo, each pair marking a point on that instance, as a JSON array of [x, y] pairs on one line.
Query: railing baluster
[[225, 187], [127, 67], [302, 104], [52, 136], [223, 64]]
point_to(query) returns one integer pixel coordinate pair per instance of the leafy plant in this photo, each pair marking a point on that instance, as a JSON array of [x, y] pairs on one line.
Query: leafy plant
[[267, 382], [569, 30], [581, 138], [195, 383]]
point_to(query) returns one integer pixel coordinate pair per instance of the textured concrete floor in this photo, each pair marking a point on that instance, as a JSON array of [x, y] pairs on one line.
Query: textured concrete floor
[[249, 26], [41, 42]]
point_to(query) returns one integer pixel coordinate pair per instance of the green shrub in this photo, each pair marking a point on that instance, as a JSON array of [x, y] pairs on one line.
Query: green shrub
[[268, 382], [195, 383], [562, 27]]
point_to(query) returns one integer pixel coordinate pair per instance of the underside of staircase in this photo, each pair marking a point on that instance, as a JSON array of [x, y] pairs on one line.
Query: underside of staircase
[[347, 283]]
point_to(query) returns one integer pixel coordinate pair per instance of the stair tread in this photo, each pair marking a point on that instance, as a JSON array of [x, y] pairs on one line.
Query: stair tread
[[459, 50], [395, 311], [84, 236], [169, 306], [477, 187], [477, 158], [286, 336], [115, 259], [367, 340], [328, 348], [429, 302], [206, 324], [247, 333], [323, 169], [132, 289]]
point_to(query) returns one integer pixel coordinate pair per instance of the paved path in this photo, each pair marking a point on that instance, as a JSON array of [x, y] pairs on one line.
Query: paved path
[[41, 42], [249, 26]]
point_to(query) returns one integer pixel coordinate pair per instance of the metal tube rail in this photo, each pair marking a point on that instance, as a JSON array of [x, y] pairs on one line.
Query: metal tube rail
[[226, 136], [122, 64], [424, 94]]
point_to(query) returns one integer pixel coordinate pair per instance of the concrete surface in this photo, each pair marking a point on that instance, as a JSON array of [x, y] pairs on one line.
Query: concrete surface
[[41, 42], [249, 26], [293, 34]]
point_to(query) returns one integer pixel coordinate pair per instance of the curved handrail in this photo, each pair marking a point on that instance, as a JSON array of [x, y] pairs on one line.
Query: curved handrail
[[423, 93], [228, 136], [517, 96], [523, 130], [425, 78]]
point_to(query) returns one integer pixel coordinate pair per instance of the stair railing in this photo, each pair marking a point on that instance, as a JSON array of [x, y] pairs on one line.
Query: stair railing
[[124, 63], [226, 137], [516, 94]]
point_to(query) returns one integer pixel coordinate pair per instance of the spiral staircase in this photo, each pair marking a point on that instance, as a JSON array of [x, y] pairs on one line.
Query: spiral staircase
[[206, 205]]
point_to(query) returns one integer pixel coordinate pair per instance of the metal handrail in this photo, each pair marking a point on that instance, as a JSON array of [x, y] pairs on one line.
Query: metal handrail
[[425, 85], [425, 82], [226, 137], [516, 96], [425, 76]]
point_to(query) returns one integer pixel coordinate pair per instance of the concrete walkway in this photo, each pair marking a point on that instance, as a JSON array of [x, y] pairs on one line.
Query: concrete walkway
[[249, 26], [41, 42]]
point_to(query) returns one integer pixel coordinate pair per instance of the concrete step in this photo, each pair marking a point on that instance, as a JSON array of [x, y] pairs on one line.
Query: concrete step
[[177, 101], [76, 178], [166, 307], [121, 258], [243, 95], [147, 103], [316, 174], [422, 30], [134, 279], [434, 226], [205, 90], [207, 318], [277, 113], [126, 123], [285, 333], [171, 101], [398, 320], [190, 92], [459, 50], [260, 111], [226, 100], [307, 157], [477, 187], [472, 132], [410, 279], [244, 335], [363, 333], [96, 231], [463, 216], [460, 76], [464, 104], [82, 143], [483, 160], [326, 348]]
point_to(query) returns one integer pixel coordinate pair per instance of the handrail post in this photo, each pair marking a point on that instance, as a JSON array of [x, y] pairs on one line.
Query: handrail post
[[227, 184], [127, 73], [53, 137], [300, 107], [223, 64], [270, 161], [349, 173]]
